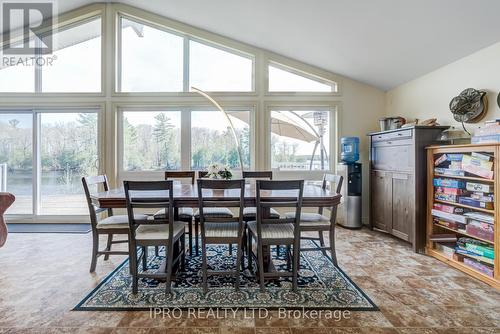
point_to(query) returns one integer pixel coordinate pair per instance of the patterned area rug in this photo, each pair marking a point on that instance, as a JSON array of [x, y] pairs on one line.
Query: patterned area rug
[[321, 286]]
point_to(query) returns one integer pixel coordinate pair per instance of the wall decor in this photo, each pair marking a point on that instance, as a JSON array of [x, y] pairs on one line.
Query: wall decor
[[470, 106]]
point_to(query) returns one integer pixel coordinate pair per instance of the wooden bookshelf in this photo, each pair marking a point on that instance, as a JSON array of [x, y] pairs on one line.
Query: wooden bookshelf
[[433, 228]]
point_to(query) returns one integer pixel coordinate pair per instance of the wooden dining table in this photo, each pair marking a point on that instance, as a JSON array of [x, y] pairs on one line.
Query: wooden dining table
[[186, 195]]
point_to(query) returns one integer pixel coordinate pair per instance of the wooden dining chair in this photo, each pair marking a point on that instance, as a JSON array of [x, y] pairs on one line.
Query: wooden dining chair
[[185, 214], [110, 226], [249, 213], [266, 231], [218, 229], [146, 232], [318, 222], [220, 212]]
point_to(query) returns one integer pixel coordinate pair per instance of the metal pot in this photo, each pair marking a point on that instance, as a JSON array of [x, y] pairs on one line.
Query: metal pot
[[391, 123]]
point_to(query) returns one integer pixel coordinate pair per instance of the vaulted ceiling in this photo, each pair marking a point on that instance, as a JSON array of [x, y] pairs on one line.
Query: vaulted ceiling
[[380, 42]]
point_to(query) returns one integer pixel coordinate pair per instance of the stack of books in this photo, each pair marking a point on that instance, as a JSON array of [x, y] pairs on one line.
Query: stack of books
[[489, 133], [480, 196], [478, 164], [476, 254], [480, 225], [449, 190]]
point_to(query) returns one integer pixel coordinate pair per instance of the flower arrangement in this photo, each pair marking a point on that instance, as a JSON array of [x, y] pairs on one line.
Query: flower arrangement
[[218, 171]]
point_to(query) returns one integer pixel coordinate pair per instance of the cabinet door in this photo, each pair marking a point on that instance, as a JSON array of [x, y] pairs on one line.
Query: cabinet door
[[403, 205], [381, 200]]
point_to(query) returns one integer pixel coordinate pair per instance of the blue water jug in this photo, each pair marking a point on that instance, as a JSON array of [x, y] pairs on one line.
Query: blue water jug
[[349, 149]]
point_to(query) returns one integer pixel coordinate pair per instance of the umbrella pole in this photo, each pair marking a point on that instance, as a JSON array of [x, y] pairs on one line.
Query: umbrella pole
[[208, 97], [313, 154]]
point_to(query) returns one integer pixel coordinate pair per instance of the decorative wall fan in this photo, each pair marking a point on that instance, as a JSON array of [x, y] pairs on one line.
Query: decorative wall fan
[[470, 106], [498, 100]]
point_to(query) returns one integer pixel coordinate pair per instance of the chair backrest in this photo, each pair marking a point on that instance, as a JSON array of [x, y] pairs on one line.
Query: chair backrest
[[202, 174], [236, 201], [267, 174], [152, 195], [181, 174], [335, 179], [87, 182], [284, 194]]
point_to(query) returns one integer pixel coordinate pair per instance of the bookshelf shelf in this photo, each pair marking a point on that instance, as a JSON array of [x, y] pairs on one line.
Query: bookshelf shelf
[[434, 228], [468, 178], [466, 206]]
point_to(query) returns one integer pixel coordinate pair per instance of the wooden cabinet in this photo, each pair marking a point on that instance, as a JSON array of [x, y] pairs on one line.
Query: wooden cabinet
[[397, 182]]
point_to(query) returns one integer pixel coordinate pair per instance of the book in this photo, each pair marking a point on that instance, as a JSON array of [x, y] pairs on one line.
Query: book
[[448, 237], [449, 183], [449, 171], [452, 157], [476, 247], [486, 139], [475, 203], [481, 267], [479, 187], [449, 216], [467, 253], [483, 197], [446, 248], [480, 163], [456, 226], [451, 191], [483, 217], [481, 230], [446, 197], [450, 208], [482, 156]]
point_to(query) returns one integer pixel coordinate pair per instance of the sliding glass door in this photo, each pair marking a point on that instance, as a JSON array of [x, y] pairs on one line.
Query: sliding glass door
[[45, 153]]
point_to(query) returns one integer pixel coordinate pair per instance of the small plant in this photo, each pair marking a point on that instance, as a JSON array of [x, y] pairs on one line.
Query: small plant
[[218, 171]]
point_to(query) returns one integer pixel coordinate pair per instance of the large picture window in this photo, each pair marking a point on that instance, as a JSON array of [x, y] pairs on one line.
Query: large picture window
[[151, 59], [300, 139], [151, 140], [212, 140]]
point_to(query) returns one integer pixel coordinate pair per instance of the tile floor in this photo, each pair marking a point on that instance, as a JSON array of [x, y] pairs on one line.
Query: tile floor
[[43, 276]]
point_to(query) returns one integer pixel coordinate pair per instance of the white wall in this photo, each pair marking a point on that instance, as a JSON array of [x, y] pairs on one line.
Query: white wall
[[362, 107], [429, 95]]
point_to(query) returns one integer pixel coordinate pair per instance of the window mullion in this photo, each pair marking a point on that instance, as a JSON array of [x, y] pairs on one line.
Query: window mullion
[[185, 69], [185, 139]]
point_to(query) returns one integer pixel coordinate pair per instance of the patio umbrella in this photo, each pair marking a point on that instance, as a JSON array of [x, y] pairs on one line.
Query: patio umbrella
[[281, 125]]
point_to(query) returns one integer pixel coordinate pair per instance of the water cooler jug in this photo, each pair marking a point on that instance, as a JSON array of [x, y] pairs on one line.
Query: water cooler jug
[[349, 213]]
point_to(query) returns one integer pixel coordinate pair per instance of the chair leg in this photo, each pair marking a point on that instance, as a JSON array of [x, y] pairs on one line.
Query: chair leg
[[239, 252], [277, 250], [190, 233], [260, 258], [157, 251], [230, 249], [322, 242], [288, 257], [170, 264], [332, 246], [144, 258], [133, 268], [183, 252], [108, 246], [196, 242], [249, 251], [204, 265], [296, 264], [95, 248]]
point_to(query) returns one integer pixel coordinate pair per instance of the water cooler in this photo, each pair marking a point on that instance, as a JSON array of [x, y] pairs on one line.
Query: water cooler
[[349, 212]]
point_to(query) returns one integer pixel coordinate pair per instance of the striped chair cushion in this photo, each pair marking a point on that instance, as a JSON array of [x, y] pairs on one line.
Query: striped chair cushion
[[273, 231], [157, 232], [184, 213], [309, 217], [221, 230], [118, 221], [251, 212], [215, 212]]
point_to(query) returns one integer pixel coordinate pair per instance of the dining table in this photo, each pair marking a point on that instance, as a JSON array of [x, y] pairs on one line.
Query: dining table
[[186, 195]]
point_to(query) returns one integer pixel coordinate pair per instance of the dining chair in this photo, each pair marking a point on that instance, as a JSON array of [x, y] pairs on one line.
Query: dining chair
[[220, 212], [249, 213], [147, 231], [267, 231], [110, 226], [318, 222], [185, 214], [218, 229]]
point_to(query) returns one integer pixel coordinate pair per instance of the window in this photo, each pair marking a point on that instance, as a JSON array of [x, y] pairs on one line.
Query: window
[[16, 160], [77, 60], [17, 79], [300, 139], [68, 151], [213, 69], [212, 140], [151, 59], [281, 80], [151, 140]]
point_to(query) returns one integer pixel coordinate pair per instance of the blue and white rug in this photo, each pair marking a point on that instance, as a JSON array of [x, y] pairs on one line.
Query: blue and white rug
[[321, 286]]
